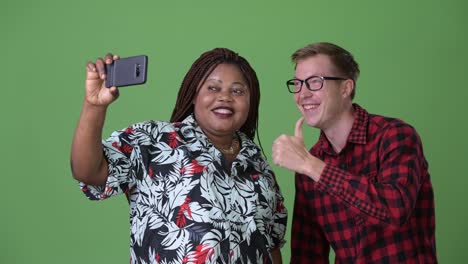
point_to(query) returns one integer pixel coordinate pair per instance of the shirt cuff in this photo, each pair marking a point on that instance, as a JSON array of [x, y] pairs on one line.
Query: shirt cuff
[[332, 179]]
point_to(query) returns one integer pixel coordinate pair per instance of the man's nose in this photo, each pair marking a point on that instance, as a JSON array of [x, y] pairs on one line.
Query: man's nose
[[305, 92]]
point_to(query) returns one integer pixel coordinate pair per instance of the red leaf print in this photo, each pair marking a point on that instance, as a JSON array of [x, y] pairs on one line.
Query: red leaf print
[[203, 252], [196, 168], [129, 130], [192, 168], [173, 136], [127, 149], [181, 220], [150, 172], [280, 207], [114, 144]]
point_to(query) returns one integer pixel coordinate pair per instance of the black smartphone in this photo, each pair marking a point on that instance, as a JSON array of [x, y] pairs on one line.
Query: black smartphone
[[127, 71]]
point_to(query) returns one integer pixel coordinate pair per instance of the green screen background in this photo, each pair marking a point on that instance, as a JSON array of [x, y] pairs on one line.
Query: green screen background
[[413, 64]]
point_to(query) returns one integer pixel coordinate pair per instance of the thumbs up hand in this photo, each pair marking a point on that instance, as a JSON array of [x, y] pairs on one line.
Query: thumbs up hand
[[291, 153]]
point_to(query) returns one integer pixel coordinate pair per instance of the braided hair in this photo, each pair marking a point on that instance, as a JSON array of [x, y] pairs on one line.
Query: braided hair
[[197, 75]]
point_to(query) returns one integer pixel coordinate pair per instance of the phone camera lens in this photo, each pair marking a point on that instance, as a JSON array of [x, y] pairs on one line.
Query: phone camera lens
[[137, 70]]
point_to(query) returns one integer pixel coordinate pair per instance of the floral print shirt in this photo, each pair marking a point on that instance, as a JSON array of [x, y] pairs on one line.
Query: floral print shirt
[[185, 207]]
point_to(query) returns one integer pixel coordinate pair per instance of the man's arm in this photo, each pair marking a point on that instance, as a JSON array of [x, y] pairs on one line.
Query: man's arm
[[389, 197], [389, 200], [290, 152]]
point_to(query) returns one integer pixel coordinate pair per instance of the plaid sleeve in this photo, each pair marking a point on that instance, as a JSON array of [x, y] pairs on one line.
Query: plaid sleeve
[[308, 242], [118, 151], [388, 197]]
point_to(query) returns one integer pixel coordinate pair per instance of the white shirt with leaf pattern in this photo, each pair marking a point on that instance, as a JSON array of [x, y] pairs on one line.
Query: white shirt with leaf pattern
[[185, 207]]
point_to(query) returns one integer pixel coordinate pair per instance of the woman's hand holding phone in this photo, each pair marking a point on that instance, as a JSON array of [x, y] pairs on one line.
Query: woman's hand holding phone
[[87, 157], [96, 92]]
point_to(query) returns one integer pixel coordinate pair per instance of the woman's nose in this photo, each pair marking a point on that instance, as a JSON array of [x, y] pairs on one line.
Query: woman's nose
[[225, 96]]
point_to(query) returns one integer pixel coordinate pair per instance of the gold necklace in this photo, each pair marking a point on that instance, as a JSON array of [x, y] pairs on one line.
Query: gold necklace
[[232, 149]]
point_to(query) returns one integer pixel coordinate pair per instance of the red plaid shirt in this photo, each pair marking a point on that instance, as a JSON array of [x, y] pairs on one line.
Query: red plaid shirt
[[374, 201]]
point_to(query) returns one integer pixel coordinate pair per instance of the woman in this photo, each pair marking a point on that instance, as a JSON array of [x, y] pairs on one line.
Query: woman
[[199, 188]]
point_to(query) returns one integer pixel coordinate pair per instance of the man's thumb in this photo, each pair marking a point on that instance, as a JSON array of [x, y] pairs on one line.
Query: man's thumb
[[298, 130]]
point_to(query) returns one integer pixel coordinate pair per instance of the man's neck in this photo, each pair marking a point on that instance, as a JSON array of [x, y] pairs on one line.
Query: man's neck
[[338, 133]]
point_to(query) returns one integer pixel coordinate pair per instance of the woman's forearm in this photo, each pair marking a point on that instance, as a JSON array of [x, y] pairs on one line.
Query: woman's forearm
[[276, 255], [87, 158]]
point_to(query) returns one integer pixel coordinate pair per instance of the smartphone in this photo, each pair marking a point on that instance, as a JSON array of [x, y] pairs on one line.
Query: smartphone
[[127, 71]]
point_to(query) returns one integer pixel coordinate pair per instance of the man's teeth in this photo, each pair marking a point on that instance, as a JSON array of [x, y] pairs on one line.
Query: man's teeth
[[223, 111], [310, 106]]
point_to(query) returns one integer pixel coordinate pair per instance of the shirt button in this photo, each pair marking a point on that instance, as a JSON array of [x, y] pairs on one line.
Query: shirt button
[[357, 203], [342, 166]]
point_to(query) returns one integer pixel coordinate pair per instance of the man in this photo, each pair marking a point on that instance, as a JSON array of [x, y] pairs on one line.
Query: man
[[364, 187]]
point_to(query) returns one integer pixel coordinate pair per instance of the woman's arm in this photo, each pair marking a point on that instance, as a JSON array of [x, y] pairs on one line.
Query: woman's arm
[[276, 256], [88, 163]]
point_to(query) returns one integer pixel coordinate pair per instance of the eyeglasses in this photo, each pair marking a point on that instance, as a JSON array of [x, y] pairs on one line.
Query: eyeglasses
[[313, 83]]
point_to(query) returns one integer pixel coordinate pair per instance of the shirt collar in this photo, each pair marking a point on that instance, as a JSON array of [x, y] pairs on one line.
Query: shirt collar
[[358, 133], [190, 125]]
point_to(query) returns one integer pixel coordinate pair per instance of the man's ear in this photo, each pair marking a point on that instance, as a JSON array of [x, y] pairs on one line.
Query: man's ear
[[347, 87]]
